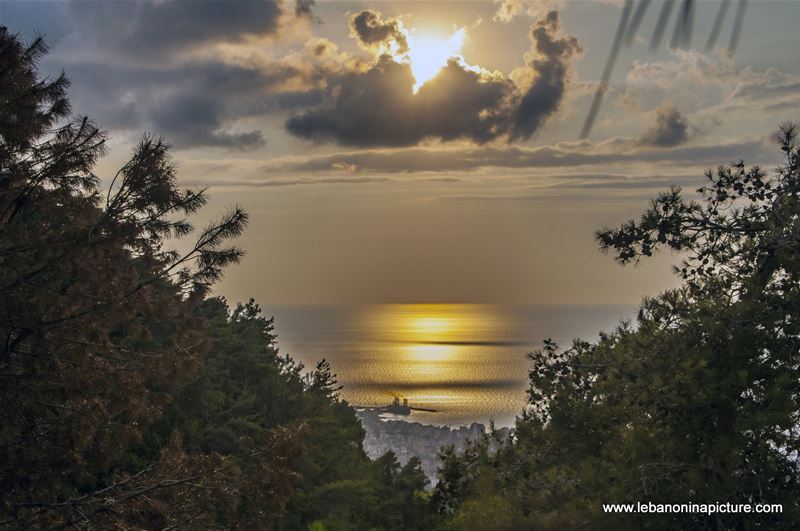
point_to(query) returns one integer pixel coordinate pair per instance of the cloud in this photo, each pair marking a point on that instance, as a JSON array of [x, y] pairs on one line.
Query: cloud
[[550, 62], [508, 10], [303, 8], [374, 32], [770, 90], [146, 27], [615, 153], [691, 80], [694, 81], [196, 120], [195, 103], [545, 198], [162, 65], [376, 105], [671, 128], [590, 189], [626, 182], [715, 94], [276, 183]]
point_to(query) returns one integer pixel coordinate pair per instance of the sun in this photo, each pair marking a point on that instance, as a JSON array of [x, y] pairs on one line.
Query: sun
[[429, 53]]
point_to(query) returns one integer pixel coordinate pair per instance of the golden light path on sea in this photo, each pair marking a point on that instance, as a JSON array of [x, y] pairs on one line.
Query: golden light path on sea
[[439, 353], [466, 361]]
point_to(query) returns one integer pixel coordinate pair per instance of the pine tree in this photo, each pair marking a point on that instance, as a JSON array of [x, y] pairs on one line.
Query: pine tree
[[696, 402]]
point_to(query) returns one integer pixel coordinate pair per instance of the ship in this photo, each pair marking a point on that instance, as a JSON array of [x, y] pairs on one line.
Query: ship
[[398, 408]]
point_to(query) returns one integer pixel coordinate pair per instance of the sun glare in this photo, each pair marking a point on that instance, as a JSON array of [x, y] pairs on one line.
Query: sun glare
[[428, 54], [430, 325]]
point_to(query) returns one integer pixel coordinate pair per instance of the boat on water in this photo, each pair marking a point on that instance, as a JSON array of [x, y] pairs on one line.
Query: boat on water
[[398, 408]]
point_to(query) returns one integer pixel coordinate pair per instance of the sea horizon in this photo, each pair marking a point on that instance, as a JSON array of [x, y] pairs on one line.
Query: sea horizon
[[468, 362]]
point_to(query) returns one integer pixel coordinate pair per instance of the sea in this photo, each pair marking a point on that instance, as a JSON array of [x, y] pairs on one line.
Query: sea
[[466, 362]]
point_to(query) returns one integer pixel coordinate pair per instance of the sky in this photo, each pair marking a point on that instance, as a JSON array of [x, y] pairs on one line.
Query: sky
[[427, 151]]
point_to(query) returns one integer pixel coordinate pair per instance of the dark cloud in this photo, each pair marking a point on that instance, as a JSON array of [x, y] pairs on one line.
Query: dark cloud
[[369, 108], [373, 31], [302, 8], [194, 104], [195, 120], [129, 74], [322, 47], [378, 107], [551, 62], [671, 128], [128, 71], [45, 17], [144, 27]]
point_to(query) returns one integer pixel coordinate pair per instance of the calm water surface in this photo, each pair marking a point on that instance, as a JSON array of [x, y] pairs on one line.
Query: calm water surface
[[467, 361]]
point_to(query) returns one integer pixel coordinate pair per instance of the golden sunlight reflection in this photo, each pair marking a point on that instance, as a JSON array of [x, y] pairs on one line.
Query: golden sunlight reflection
[[428, 353], [434, 344], [429, 53], [452, 360], [432, 324], [427, 325], [456, 363]]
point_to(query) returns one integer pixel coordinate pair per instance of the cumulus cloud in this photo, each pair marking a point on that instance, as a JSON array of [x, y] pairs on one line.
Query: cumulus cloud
[[671, 128], [715, 93], [374, 32], [649, 83], [508, 10], [158, 65], [200, 100], [377, 106], [550, 62]]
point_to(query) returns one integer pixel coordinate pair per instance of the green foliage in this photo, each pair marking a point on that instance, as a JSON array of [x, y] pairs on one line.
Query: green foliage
[[323, 381], [696, 403], [96, 318], [458, 474], [130, 399], [133, 400]]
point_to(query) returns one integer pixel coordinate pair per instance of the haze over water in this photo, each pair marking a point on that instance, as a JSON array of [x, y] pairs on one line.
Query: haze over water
[[467, 361]]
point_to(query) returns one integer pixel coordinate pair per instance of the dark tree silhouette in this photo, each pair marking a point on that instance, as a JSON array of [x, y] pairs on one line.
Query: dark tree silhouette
[[95, 310], [129, 398], [323, 381], [697, 402]]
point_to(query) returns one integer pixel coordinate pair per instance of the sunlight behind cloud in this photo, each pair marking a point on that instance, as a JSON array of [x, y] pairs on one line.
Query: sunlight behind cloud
[[428, 54]]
